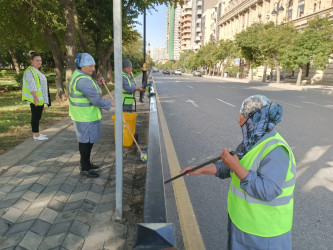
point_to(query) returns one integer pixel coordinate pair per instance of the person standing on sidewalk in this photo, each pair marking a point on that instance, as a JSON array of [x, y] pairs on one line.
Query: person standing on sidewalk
[[129, 86], [85, 104], [263, 173], [35, 91]]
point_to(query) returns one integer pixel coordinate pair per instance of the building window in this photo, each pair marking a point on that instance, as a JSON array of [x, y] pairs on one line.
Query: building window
[[300, 8], [314, 7], [290, 10], [319, 5]]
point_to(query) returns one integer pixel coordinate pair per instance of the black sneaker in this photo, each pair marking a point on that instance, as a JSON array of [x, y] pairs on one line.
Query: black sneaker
[[93, 166], [89, 173]]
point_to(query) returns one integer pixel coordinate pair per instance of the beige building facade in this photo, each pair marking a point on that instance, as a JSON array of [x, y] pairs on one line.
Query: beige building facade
[[239, 14], [185, 26]]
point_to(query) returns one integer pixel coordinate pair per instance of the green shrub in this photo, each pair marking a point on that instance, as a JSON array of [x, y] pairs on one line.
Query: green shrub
[[2, 72], [51, 78], [19, 78]]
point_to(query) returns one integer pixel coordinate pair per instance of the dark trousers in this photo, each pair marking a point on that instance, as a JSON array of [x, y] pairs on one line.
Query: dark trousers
[[85, 151], [36, 115]]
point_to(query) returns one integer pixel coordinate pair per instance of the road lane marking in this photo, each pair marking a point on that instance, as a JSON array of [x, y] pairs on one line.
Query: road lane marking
[[327, 106], [193, 103], [289, 104], [190, 87], [188, 222], [226, 102]]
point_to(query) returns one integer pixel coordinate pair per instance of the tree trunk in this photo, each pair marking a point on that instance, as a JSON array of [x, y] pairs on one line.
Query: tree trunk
[[14, 59], [109, 70], [69, 9], [251, 72], [222, 70], [103, 57], [82, 38], [277, 65], [299, 76], [264, 73], [54, 45]]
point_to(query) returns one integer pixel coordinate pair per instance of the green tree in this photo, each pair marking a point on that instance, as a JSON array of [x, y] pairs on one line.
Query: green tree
[[312, 44], [226, 51], [248, 42], [271, 39]]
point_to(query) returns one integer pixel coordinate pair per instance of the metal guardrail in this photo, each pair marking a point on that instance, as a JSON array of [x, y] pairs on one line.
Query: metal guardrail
[[154, 232]]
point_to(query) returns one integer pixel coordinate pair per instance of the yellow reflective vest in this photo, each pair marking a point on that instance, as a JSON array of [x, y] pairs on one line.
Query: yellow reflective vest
[[128, 95], [80, 108], [258, 217], [26, 94]]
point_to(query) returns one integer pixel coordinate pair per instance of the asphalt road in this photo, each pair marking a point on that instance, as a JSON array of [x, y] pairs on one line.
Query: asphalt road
[[201, 115]]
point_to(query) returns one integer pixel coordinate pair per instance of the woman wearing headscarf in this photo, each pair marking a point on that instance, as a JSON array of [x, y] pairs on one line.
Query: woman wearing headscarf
[[129, 86], [85, 109], [263, 172], [35, 92]]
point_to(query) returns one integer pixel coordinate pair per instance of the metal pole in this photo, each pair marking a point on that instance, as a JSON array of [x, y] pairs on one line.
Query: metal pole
[[144, 68], [144, 34], [117, 27]]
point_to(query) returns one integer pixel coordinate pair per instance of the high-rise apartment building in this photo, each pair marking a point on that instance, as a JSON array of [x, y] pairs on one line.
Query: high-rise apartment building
[[158, 54], [173, 42], [185, 24]]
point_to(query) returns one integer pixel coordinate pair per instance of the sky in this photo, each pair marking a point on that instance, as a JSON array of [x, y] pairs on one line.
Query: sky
[[155, 27]]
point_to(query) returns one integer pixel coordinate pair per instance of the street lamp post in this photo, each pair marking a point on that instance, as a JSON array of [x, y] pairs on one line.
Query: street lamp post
[[144, 67], [277, 9]]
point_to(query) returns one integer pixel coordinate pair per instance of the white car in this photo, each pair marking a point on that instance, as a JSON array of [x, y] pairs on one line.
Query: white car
[[178, 72], [197, 73]]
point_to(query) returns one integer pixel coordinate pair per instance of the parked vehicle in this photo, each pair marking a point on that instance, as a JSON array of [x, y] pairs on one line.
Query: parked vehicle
[[166, 72], [196, 73], [178, 72], [173, 72]]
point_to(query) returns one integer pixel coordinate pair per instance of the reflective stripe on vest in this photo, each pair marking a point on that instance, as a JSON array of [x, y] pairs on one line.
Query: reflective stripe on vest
[[26, 94], [259, 217], [80, 108], [128, 95]]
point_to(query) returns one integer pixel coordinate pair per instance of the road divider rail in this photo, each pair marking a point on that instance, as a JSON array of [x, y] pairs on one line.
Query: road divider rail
[[154, 232]]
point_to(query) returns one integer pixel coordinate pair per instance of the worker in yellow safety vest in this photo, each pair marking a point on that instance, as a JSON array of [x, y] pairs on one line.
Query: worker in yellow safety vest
[[129, 86], [263, 174], [35, 91], [85, 104]]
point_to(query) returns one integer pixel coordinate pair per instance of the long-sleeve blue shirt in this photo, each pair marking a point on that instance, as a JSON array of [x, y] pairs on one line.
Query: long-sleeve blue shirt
[[264, 184]]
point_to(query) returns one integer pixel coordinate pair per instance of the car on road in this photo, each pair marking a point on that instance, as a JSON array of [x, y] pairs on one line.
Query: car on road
[[197, 73], [166, 72], [178, 72]]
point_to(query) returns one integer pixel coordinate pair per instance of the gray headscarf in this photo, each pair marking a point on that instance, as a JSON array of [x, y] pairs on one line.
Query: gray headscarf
[[262, 115]]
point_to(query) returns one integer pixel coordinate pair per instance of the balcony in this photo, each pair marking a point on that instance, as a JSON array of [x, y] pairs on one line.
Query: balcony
[[199, 3], [197, 38], [199, 12], [213, 26], [198, 29], [186, 37], [199, 20], [187, 12]]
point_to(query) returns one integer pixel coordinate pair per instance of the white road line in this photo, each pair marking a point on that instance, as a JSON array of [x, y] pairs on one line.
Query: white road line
[[190, 87], [327, 106], [193, 103], [225, 102], [221, 87], [289, 104]]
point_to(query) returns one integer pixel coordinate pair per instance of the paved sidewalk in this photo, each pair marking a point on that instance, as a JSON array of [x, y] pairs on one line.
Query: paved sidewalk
[[46, 204]]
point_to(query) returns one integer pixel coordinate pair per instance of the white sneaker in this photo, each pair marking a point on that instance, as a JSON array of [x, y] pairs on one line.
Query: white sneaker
[[43, 135], [40, 138]]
